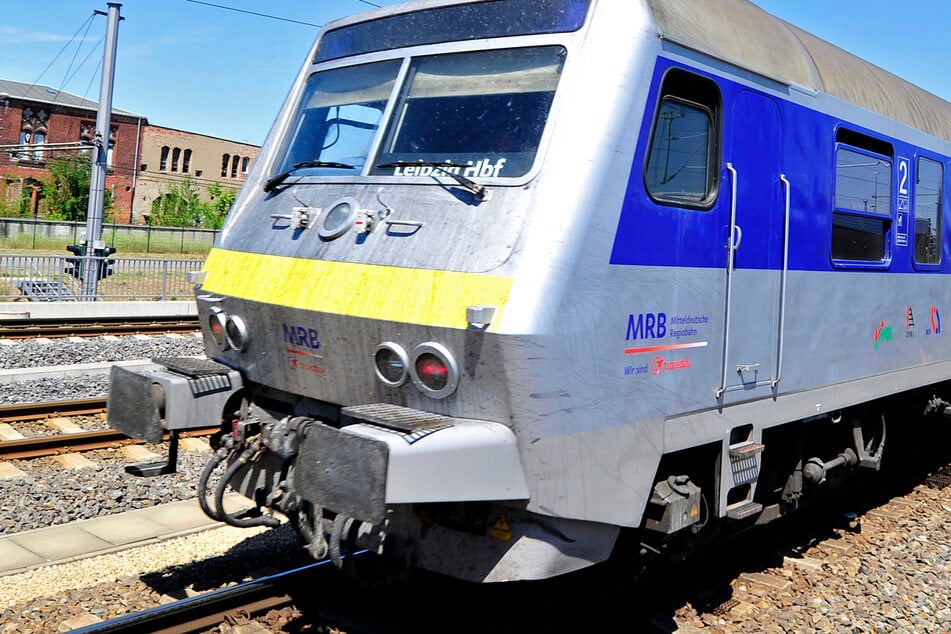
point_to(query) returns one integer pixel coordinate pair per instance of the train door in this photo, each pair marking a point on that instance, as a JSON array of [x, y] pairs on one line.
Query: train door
[[757, 247]]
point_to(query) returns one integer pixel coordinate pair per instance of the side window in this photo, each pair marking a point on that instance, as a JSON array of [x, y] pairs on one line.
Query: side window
[[862, 216], [928, 195], [682, 160]]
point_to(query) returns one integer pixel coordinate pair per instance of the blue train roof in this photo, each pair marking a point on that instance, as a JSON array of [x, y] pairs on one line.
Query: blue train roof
[[742, 34]]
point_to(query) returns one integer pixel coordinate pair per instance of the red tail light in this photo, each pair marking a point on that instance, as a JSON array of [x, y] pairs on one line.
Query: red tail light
[[216, 325], [434, 370]]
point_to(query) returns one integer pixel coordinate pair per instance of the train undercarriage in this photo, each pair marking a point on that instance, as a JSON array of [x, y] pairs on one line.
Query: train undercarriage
[[290, 457]]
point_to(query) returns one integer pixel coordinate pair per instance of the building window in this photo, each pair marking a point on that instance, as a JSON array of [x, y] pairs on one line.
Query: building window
[[33, 132], [186, 161], [163, 161], [234, 165], [110, 148], [225, 161], [87, 136], [87, 132], [176, 154], [928, 195], [245, 163]]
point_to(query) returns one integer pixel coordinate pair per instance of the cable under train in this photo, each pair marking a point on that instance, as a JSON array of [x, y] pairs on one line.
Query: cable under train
[[513, 280]]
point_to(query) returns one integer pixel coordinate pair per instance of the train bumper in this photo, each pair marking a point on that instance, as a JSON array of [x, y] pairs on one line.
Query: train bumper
[[385, 459], [188, 393], [386, 455]]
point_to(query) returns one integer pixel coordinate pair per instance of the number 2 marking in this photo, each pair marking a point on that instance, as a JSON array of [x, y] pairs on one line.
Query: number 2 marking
[[903, 177]]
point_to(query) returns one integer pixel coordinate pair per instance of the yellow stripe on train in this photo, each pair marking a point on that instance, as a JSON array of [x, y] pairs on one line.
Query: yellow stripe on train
[[418, 296]]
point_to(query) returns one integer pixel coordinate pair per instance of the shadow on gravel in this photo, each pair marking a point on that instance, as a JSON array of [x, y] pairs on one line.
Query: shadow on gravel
[[257, 556]]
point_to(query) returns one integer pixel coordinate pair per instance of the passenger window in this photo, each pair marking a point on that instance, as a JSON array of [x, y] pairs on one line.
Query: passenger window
[[681, 163], [863, 202], [928, 196]]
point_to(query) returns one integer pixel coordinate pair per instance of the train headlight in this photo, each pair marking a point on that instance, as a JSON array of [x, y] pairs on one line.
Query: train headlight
[[391, 364], [337, 220], [216, 325], [237, 332], [434, 370]]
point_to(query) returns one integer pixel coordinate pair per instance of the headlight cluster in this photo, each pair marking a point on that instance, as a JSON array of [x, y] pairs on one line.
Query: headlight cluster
[[228, 331], [431, 367]]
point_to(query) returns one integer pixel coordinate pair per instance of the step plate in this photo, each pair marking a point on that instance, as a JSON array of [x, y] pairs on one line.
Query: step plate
[[744, 510]]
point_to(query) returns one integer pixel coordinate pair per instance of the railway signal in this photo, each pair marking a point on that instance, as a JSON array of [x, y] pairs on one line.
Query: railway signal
[[101, 269], [105, 264], [74, 266]]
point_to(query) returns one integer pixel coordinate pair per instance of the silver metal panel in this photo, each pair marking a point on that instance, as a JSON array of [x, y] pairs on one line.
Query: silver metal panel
[[464, 460], [199, 400], [439, 214], [189, 401]]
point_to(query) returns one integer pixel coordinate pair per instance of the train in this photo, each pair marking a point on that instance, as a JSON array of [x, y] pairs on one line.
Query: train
[[519, 287]]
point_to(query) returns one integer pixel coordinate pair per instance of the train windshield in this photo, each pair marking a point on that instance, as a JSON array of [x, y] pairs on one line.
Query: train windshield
[[482, 113], [338, 119]]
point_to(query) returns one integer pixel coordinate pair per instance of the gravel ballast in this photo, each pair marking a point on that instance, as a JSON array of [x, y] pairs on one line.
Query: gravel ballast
[[50, 495]]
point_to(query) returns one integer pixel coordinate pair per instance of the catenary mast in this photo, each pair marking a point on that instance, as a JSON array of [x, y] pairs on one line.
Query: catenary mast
[[94, 244]]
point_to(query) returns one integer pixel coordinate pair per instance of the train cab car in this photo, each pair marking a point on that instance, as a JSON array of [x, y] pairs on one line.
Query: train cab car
[[513, 279]]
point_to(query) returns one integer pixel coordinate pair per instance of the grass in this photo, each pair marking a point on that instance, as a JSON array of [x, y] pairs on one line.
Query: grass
[[128, 282], [126, 246]]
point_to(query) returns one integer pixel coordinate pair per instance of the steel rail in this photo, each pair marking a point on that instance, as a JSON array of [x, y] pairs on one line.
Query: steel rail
[[41, 446], [40, 411], [23, 329], [209, 610]]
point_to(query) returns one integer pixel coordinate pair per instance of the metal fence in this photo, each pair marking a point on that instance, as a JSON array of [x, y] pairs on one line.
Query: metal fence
[[129, 238], [59, 278]]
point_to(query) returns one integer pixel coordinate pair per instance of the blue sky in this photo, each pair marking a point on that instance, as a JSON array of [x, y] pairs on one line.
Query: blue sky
[[187, 65]]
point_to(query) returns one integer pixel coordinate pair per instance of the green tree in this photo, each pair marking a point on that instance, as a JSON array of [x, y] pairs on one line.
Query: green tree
[[66, 190], [221, 201], [179, 205]]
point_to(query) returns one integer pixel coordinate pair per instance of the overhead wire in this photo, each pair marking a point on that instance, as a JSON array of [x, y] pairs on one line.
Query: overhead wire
[[67, 76], [56, 57], [268, 15], [255, 13]]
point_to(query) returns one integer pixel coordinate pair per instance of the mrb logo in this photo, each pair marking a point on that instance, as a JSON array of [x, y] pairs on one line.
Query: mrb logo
[[301, 337], [647, 326]]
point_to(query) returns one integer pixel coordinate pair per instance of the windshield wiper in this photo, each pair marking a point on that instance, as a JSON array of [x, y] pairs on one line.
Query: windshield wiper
[[472, 186], [272, 183]]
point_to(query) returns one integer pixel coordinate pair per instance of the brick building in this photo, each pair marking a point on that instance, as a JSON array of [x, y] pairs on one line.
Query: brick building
[[168, 155], [52, 123], [38, 123]]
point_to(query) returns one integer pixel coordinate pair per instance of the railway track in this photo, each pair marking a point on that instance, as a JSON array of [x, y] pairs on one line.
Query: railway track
[[55, 444], [150, 325], [234, 606]]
